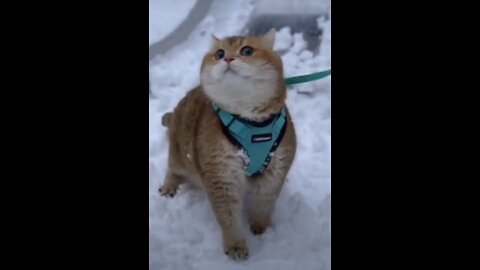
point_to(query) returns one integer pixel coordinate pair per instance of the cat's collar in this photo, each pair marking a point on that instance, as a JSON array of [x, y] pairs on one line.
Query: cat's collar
[[237, 117]]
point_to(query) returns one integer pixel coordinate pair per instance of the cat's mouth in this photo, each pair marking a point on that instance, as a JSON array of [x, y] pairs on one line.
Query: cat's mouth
[[229, 69], [234, 71]]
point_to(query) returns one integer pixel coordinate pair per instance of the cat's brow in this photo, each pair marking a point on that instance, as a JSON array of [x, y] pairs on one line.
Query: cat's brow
[[234, 41]]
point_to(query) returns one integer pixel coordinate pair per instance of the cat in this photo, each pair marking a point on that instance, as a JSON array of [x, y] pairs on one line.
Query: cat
[[242, 76]]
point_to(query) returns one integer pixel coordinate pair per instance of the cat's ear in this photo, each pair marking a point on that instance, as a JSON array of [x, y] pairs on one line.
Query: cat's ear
[[269, 38], [215, 40]]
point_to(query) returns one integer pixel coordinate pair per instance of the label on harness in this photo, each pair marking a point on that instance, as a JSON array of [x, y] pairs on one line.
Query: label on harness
[[261, 138]]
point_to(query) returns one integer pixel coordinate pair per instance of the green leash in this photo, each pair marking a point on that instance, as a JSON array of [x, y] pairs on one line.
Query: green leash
[[308, 78]]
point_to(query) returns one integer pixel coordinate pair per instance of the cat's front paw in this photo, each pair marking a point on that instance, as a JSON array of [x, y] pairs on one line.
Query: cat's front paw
[[259, 227], [237, 253], [237, 250], [168, 191]]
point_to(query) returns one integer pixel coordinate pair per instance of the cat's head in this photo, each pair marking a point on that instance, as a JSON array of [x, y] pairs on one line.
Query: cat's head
[[244, 75]]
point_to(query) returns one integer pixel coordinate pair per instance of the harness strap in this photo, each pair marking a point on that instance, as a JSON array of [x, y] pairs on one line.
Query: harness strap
[[237, 130]]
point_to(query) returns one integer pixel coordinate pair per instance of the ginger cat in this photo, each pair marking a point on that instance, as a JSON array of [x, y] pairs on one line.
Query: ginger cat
[[243, 76]]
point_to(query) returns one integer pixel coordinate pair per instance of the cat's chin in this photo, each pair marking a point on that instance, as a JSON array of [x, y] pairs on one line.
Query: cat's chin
[[235, 73], [231, 71]]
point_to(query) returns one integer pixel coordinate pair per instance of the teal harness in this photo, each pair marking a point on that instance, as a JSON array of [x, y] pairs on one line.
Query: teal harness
[[257, 139]]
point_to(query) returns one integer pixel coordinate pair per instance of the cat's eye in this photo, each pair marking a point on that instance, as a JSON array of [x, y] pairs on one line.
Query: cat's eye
[[219, 54], [246, 51]]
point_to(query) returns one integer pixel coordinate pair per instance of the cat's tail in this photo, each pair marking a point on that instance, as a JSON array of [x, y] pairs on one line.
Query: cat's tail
[[166, 119]]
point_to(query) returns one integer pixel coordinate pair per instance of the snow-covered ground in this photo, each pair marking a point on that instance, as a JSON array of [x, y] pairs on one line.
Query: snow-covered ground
[[183, 232], [165, 16]]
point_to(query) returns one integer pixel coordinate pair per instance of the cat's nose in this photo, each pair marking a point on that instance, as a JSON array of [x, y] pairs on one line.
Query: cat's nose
[[228, 60]]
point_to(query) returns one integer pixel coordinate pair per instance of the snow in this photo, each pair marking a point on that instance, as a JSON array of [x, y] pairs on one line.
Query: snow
[[183, 232], [292, 6], [165, 16]]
